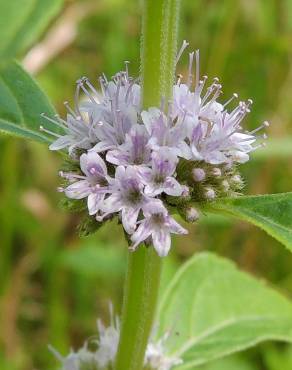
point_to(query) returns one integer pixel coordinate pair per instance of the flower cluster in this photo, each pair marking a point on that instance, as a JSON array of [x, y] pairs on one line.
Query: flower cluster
[[99, 352], [143, 164]]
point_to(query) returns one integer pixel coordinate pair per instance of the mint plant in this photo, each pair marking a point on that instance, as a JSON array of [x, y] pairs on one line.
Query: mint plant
[[146, 150]]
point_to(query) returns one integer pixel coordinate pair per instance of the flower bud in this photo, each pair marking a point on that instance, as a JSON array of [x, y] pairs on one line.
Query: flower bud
[[186, 191], [216, 172], [198, 174], [192, 214], [236, 179], [210, 193], [225, 185]]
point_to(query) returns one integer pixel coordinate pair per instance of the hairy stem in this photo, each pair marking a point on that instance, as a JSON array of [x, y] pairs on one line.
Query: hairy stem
[[158, 51], [140, 295]]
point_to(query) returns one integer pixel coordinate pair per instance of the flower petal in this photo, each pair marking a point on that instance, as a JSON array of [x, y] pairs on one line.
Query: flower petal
[[161, 241], [129, 218], [93, 202], [78, 190]]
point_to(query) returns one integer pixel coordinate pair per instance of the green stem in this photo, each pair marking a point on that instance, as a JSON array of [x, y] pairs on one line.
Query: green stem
[[158, 51], [159, 42], [140, 295]]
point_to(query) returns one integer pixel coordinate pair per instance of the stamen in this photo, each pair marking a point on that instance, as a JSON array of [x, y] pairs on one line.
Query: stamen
[[190, 76], [87, 93], [234, 96], [263, 125], [64, 127], [197, 68], [182, 49], [71, 176], [69, 109], [201, 85], [105, 78], [179, 78], [89, 84], [132, 83], [261, 145], [118, 93], [127, 68], [101, 81], [49, 132], [60, 120], [76, 98]]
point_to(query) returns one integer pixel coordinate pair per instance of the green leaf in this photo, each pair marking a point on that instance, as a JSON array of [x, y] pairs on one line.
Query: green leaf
[[212, 309], [229, 363], [272, 213], [22, 22], [21, 105]]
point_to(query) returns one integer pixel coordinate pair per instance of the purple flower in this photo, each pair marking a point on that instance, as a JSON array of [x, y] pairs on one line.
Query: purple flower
[[115, 111], [159, 178], [164, 133], [158, 225], [214, 134], [78, 133], [134, 151], [220, 141], [127, 196], [94, 185]]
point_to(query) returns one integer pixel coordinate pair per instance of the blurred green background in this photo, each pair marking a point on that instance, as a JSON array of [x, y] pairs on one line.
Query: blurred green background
[[53, 285]]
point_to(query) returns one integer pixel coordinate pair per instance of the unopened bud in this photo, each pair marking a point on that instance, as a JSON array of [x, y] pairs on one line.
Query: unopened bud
[[192, 214], [198, 174], [228, 166], [225, 185], [236, 179], [216, 172], [186, 191], [210, 193]]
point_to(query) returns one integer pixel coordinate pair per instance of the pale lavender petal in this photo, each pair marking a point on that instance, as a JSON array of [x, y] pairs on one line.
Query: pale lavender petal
[[184, 150], [120, 172], [239, 157], [61, 143], [129, 218], [175, 227], [164, 162], [92, 160], [118, 157], [93, 202], [103, 146], [161, 241], [78, 190], [153, 189], [112, 204], [154, 206], [149, 116], [141, 234], [172, 187], [145, 173]]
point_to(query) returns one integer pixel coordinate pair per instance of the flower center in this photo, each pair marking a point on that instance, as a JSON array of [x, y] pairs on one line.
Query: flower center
[[158, 219], [134, 196]]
